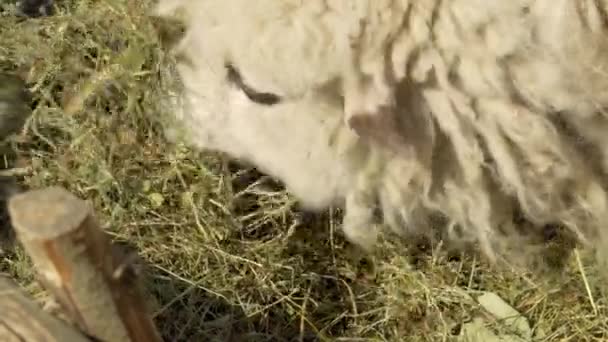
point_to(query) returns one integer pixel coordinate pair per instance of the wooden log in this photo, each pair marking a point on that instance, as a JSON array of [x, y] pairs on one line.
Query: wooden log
[[76, 261], [21, 319]]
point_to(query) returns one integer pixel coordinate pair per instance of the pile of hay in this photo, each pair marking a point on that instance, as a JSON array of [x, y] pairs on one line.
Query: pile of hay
[[226, 256]]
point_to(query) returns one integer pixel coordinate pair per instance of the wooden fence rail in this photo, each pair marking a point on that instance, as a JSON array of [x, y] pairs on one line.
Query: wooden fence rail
[[76, 262], [21, 319]]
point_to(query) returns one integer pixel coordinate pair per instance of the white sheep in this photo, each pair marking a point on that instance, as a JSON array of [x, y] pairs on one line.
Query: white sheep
[[465, 110]]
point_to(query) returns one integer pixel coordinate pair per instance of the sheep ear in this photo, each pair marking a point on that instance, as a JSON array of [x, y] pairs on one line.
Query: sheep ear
[[380, 127]]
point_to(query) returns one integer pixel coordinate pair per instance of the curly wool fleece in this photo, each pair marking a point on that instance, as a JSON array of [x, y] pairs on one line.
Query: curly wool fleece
[[473, 111]]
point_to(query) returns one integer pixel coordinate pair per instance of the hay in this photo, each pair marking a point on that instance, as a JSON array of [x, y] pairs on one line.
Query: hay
[[225, 259]]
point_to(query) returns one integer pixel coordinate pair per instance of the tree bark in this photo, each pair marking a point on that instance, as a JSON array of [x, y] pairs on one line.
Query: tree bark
[[76, 261]]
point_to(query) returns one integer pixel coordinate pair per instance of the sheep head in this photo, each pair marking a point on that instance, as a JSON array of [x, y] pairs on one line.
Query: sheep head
[[465, 110]]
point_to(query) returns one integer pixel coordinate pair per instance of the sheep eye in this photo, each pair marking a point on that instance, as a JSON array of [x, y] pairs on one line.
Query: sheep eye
[[262, 98]]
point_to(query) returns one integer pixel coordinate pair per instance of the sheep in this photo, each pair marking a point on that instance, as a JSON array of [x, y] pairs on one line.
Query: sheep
[[456, 114], [29, 8], [14, 112], [36, 8]]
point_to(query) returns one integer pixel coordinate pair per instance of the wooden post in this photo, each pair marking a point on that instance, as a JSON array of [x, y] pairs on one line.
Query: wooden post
[[23, 320], [76, 262]]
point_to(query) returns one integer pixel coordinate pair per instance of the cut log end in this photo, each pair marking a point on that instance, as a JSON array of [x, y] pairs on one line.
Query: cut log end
[[46, 213]]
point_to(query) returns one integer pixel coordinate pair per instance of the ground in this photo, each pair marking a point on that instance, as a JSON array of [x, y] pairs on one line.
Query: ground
[[223, 259]]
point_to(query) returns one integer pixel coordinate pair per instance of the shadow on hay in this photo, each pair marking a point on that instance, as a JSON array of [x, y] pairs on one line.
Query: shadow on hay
[[200, 316], [198, 311]]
